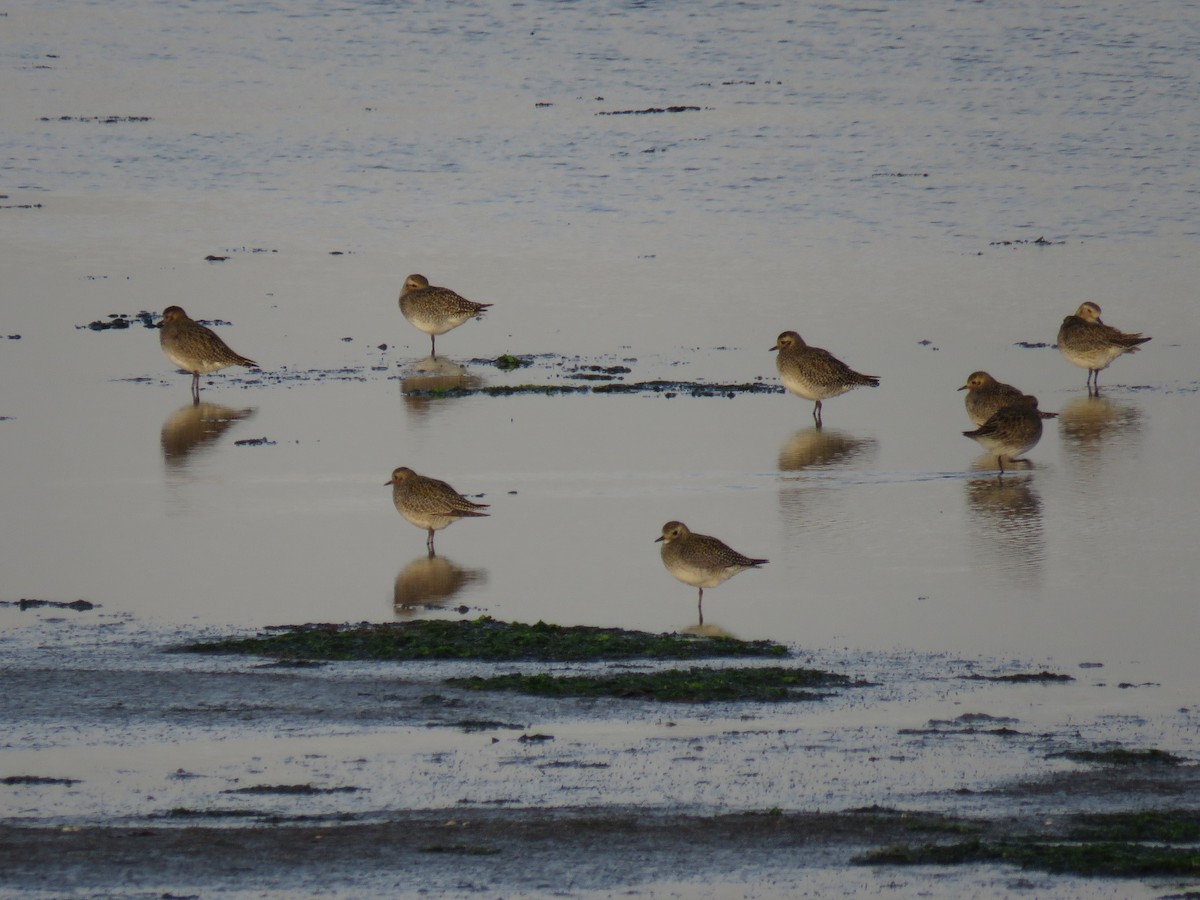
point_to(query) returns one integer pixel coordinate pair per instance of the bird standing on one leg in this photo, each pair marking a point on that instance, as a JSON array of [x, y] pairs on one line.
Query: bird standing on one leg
[[435, 310], [429, 503], [701, 560], [1087, 342], [195, 348], [813, 373], [1010, 431]]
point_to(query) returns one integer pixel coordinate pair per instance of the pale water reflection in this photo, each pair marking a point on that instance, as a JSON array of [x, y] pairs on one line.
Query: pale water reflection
[[197, 426], [815, 464], [814, 448], [1094, 423], [431, 581], [707, 629], [1007, 527]]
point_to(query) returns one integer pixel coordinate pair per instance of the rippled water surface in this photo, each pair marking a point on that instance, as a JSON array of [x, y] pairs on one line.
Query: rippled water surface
[[875, 177]]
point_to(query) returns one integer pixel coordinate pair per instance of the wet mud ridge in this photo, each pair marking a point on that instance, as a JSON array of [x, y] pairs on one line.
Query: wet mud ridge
[[548, 851], [572, 850]]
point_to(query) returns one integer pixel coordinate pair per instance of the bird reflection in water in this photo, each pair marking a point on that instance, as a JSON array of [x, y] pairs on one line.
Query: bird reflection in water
[[988, 463], [1008, 532], [194, 426], [431, 581], [431, 378], [813, 448], [707, 629], [1088, 422]]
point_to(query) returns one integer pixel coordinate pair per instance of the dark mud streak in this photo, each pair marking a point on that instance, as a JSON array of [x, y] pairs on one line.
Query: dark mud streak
[[77, 605], [513, 849], [12, 780], [290, 790], [102, 120], [1037, 242], [664, 388], [1101, 859], [649, 111], [769, 684], [582, 848], [1120, 756], [1023, 678]]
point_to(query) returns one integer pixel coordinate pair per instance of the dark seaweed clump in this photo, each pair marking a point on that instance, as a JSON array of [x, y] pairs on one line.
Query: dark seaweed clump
[[1039, 242], [36, 780], [103, 120], [660, 387], [1023, 678], [121, 321], [649, 111], [482, 639], [26, 603]]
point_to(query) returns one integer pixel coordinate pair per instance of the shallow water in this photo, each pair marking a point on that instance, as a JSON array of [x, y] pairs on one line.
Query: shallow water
[[873, 177], [853, 173]]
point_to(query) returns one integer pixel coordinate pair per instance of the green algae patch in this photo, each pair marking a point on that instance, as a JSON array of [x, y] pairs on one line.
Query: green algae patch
[[1136, 844], [764, 684], [506, 362], [1165, 826], [1100, 859], [481, 639]]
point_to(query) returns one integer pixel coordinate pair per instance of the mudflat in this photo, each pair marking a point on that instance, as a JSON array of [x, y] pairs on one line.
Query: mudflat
[[141, 770]]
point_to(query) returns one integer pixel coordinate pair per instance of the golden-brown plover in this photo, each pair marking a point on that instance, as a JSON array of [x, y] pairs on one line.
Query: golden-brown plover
[[195, 348], [700, 560], [813, 373], [429, 503], [1090, 344], [435, 310], [986, 396], [1010, 431]]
